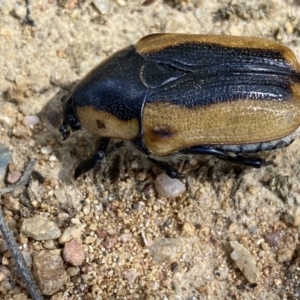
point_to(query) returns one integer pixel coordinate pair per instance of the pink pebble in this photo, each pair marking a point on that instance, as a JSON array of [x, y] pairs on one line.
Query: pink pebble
[[74, 253], [31, 120], [101, 233], [13, 177], [109, 242]]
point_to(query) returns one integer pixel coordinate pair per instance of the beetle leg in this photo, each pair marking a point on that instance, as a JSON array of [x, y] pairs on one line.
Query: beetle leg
[[239, 159], [166, 167], [93, 161], [96, 159]]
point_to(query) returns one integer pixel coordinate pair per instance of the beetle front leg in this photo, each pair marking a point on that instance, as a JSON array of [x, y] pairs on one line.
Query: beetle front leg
[[93, 161], [239, 159]]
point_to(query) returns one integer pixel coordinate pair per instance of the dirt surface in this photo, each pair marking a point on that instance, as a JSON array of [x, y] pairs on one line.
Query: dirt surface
[[222, 203]]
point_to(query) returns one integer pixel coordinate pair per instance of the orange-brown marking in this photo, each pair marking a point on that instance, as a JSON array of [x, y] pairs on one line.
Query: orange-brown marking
[[237, 122], [105, 124], [164, 132], [100, 124], [157, 42]]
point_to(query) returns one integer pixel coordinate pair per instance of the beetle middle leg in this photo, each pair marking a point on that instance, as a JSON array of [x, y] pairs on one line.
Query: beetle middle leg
[[166, 167], [238, 159], [96, 159]]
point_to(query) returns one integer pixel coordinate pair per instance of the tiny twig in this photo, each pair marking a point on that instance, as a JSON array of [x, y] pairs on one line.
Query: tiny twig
[[12, 245]]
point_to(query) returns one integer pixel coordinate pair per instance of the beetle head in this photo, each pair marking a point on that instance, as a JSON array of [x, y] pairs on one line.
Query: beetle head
[[70, 121]]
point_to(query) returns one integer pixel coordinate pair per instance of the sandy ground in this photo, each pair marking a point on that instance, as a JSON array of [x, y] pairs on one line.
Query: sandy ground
[[38, 64]]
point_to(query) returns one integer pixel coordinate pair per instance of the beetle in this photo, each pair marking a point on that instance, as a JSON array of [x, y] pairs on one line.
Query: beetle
[[190, 94]]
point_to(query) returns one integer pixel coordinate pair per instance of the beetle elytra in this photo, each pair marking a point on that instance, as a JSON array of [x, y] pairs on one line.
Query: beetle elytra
[[190, 94]]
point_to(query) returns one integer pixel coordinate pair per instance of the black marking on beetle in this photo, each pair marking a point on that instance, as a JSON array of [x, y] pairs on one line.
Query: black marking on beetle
[[114, 86], [208, 73], [100, 124], [192, 57]]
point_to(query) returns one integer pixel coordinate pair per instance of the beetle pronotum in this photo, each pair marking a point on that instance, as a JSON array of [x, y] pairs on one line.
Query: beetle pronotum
[[190, 94]]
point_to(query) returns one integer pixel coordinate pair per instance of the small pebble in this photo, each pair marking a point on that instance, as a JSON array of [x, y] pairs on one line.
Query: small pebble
[[20, 11], [5, 271], [52, 158], [168, 187], [86, 209], [13, 177], [10, 75], [46, 150], [27, 257], [49, 279], [109, 242], [166, 282], [40, 228], [188, 229], [21, 296], [102, 6], [3, 246], [273, 239], [50, 245], [284, 255], [20, 79], [11, 204], [75, 221], [135, 165], [289, 28], [21, 131], [2, 276], [5, 261], [72, 271], [70, 233], [86, 269], [148, 191], [93, 226], [62, 217], [121, 2], [73, 253], [6, 7], [292, 218], [5, 285], [126, 237], [29, 121], [244, 261], [89, 239], [101, 233], [130, 275], [164, 250]]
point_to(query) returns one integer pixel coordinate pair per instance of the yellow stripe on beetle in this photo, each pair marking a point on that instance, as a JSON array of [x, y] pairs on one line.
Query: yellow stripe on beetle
[[241, 122]]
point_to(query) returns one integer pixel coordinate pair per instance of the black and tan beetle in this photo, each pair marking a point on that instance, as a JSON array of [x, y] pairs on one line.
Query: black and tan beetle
[[190, 94]]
